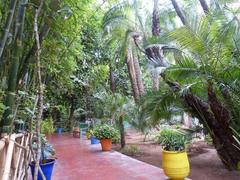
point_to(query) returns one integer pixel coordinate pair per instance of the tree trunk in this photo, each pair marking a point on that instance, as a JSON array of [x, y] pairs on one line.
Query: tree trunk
[[112, 80], [216, 118], [138, 74], [204, 6], [132, 74], [155, 33], [179, 11], [71, 114], [7, 26], [27, 60], [40, 91], [122, 132], [6, 122], [156, 20], [155, 80]]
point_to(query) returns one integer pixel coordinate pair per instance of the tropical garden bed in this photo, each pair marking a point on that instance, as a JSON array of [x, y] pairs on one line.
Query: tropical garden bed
[[94, 66], [204, 162]]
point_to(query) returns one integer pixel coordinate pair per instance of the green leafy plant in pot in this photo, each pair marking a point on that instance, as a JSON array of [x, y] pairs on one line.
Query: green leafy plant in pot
[[175, 161], [105, 133]]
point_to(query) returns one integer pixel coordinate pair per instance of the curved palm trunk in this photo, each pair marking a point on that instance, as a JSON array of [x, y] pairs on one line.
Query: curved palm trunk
[[156, 20], [132, 74], [179, 11], [155, 33], [138, 75], [215, 117], [204, 6]]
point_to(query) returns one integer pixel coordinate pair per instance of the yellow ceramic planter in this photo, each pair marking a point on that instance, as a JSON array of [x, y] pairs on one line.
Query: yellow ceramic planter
[[175, 164]]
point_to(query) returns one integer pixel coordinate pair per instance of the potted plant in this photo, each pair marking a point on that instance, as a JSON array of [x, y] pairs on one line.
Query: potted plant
[[175, 160], [105, 133], [89, 133], [47, 160], [94, 140], [59, 127]]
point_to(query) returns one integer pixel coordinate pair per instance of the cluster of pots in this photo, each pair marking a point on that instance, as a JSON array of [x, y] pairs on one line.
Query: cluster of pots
[[105, 143]]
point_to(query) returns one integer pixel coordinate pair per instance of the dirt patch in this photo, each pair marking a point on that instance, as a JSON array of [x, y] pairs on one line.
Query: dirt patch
[[204, 162]]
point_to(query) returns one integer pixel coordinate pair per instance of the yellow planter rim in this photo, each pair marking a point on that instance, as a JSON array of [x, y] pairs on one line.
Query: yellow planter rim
[[173, 152]]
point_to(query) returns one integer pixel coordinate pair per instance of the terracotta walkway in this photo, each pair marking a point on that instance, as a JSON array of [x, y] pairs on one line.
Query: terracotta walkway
[[79, 160]]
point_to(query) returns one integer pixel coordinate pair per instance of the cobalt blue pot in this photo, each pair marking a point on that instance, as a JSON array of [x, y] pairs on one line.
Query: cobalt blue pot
[[59, 130], [94, 140], [47, 169]]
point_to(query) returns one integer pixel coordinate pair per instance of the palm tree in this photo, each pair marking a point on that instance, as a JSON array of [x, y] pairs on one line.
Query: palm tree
[[120, 28], [205, 80], [118, 108]]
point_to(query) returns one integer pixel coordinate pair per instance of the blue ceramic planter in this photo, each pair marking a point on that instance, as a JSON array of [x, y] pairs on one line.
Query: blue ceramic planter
[[47, 169], [94, 140], [59, 130]]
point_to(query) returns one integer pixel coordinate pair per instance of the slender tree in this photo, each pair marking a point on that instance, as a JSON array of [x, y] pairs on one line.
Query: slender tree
[[40, 89]]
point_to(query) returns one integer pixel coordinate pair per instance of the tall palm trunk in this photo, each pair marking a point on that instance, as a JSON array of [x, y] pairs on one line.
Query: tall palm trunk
[[179, 11], [132, 74], [204, 6], [7, 26], [112, 80], [156, 20], [6, 122], [138, 75], [155, 33]]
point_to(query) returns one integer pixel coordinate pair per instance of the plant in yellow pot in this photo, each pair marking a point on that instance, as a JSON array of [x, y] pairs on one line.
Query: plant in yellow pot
[[175, 160]]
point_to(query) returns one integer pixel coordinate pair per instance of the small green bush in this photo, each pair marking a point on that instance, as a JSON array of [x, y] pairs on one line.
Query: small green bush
[[172, 140], [105, 131], [116, 139], [208, 139], [131, 150], [47, 126]]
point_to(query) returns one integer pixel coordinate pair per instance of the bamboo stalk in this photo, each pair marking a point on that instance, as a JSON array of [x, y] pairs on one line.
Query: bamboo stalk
[[7, 169], [6, 121], [7, 26]]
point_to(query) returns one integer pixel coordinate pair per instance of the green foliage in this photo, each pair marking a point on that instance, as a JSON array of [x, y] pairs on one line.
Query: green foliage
[[208, 139], [105, 131], [171, 140], [131, 150], [47, 126]]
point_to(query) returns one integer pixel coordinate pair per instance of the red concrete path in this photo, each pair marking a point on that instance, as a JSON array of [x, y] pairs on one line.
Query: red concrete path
[[79, 160]]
